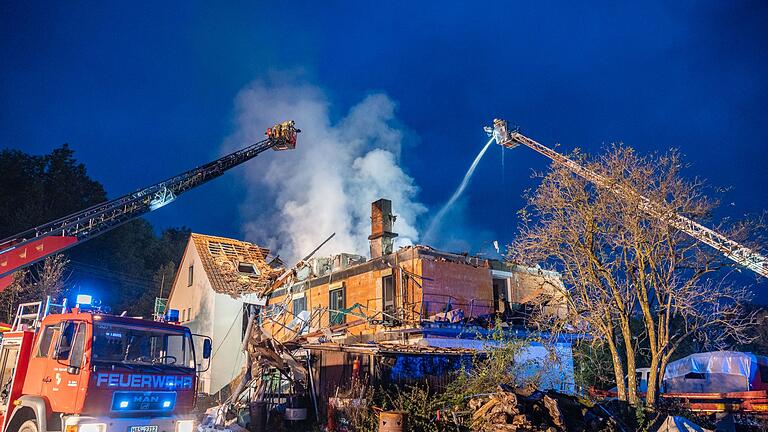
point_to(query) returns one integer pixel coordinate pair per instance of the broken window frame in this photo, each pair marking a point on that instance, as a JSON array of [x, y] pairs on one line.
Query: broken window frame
[[273, 311], [255, 270], [299, 301], [388, 305]]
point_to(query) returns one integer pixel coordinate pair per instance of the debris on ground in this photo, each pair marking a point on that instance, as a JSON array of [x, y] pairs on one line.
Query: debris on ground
[[508, 410]]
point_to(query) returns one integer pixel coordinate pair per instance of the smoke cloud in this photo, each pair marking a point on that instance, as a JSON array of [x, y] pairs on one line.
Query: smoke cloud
[[296, 198]]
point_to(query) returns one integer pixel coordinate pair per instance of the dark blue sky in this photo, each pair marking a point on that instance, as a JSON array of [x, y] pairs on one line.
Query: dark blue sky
[[146, 90]]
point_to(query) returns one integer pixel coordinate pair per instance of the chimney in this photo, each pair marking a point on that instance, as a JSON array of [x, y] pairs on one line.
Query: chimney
[[381, 228]]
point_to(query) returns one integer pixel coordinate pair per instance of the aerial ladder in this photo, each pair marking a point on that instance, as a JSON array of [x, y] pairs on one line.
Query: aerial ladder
[[35, 244], [736, 252]]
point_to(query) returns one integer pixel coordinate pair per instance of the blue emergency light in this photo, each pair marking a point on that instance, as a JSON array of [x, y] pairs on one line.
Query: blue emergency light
[[172, 315], [84, 299], [129, 401]]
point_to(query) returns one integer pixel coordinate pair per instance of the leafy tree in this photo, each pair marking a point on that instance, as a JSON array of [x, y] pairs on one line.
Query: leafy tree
[[48, 280], [38, 189], [120, 266]]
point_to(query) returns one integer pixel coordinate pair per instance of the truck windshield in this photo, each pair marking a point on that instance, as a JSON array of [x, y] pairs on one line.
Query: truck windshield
[[122, 343]]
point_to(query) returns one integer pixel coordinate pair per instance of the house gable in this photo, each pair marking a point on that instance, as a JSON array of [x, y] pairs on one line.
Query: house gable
[[191, 289]]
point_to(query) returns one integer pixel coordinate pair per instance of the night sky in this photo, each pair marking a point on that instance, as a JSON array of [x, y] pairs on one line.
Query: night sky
[[147, 90]]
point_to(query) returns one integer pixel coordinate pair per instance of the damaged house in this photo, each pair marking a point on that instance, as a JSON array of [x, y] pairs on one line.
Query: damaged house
[[217, 278], [412, 313]]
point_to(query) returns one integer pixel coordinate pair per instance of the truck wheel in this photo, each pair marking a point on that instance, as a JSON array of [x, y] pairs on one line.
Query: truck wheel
[[28, 426]]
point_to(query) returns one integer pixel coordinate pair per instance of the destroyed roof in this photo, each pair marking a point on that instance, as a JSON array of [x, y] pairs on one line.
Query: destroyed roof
[[319, 274], [387, 348], [235, 267]]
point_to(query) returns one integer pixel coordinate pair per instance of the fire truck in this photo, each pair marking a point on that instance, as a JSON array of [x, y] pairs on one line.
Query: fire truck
[[81, 370]]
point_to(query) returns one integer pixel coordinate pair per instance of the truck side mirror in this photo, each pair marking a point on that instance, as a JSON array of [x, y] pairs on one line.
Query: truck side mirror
[[203, 360], [207, 348]]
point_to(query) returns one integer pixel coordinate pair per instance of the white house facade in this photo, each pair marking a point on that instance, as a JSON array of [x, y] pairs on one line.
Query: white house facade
[[216, 279]]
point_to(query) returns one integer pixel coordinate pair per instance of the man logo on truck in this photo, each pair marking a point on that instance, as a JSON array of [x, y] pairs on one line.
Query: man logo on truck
[[146, 399]]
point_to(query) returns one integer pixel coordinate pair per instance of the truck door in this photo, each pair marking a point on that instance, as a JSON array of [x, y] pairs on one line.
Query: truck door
[[37, 373], [64, 368]]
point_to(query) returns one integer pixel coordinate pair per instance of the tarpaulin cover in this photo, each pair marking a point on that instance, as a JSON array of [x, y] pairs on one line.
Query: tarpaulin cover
[[717, 371], [680, 424], [553, 368]]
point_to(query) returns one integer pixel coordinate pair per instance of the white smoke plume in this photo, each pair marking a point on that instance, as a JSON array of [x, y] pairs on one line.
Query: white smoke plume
[[296, 198]]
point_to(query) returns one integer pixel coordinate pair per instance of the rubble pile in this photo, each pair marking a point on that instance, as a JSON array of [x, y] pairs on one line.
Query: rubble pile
[[508, 410]]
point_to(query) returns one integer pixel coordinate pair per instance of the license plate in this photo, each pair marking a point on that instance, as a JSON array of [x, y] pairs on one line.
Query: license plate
[[142, 429]]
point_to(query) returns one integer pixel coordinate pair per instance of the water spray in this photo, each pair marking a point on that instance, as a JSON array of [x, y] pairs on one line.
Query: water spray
[[447, 206]]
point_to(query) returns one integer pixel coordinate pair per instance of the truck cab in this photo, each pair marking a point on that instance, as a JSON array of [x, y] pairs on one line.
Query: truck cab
[[84, 371]]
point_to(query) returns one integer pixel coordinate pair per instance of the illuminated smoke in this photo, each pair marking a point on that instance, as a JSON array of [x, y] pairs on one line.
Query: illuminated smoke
[[296, 198]]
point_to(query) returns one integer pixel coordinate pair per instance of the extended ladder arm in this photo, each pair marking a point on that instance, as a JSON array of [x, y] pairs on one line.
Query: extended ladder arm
[[736, 252], [28, 247]]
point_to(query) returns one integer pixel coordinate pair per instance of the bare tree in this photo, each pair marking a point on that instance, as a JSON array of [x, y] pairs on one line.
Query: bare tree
[[619, 262], [9, 296], [47, 279]]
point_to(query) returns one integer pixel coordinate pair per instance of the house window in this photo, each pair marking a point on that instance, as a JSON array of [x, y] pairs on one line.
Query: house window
[[336, 303], [248, 269], [191, 276], [388, 296], [274, 311], [299, 305], [183, 315], [189, 314]]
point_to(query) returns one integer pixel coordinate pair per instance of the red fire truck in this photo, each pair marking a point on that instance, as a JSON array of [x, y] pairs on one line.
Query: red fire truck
[[81, 370], [85, 371]]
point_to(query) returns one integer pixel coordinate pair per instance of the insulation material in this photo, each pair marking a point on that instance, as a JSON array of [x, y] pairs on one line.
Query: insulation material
[[715, 372]]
